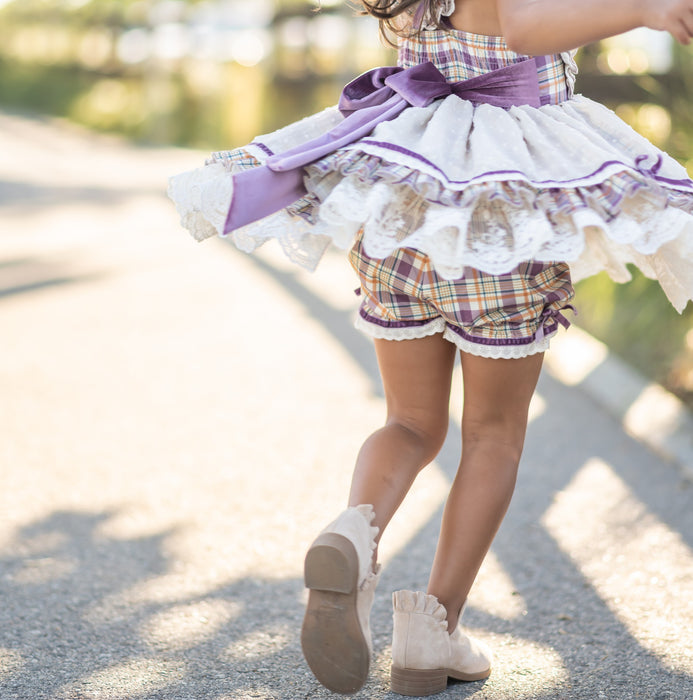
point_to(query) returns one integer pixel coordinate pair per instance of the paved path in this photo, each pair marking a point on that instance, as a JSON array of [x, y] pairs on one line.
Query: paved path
[[178, 420]]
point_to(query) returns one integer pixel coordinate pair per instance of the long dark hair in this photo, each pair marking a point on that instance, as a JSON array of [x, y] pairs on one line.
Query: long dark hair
[[400, 17]]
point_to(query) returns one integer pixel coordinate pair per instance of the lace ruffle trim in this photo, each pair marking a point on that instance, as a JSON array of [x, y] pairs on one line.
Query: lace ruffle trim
[[202, 198], [508, 352], [493, 226], [497, 352], [406, 333], [605, 198]]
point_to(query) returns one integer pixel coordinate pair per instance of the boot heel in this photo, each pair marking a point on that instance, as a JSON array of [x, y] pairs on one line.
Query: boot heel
[[332, 564], [418, 683], [332, 639]]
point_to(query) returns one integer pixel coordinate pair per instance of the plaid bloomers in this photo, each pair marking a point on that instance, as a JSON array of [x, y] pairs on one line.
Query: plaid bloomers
[[502, 316]]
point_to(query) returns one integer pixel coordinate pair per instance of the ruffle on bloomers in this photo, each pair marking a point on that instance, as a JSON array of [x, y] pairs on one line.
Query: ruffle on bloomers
[[474, 186]]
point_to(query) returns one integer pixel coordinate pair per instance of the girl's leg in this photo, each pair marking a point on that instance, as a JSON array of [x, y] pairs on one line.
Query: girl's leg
[[416, 376], [496, 402], [336, 636]]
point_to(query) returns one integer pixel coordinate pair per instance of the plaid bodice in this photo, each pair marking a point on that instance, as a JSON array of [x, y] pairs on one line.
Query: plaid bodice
[[460, 55]]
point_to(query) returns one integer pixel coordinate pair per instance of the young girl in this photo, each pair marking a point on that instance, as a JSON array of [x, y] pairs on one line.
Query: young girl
[[463, 181]]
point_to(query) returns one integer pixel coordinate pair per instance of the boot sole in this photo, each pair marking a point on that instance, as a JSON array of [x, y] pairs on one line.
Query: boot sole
[[333, 642], [419, 683]]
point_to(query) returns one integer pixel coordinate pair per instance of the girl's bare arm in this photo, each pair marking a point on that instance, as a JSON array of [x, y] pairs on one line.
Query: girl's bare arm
[[548, 26]]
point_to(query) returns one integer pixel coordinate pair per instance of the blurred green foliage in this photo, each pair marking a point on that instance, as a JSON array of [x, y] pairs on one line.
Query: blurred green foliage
[[638, 323], [70, 58]]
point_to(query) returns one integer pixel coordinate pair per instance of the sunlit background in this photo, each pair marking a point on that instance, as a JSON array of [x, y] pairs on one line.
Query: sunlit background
[[211, 74], [172, 72]]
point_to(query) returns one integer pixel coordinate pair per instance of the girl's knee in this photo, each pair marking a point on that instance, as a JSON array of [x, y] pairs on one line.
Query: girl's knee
[[506, 438], [424, 435]]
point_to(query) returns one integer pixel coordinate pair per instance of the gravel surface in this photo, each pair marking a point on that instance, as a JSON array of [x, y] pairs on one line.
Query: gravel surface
[[180, 420]]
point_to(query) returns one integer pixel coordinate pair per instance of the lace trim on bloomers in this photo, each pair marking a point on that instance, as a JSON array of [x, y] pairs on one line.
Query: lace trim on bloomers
[[438, 325]]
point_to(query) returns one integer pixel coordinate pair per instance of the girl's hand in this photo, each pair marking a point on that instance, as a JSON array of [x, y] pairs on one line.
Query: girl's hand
[[673, 16]]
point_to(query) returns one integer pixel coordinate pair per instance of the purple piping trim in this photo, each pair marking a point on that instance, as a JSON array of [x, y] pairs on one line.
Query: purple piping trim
[[395, 324], [262, 146], [404, 151], [549, 327]]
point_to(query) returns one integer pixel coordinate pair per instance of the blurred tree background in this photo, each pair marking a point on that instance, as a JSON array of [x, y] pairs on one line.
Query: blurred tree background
[[215, 73]]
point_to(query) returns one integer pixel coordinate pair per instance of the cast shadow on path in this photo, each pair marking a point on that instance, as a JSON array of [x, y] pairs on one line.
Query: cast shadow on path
[[71, 627], [573, 440], [20, 276]]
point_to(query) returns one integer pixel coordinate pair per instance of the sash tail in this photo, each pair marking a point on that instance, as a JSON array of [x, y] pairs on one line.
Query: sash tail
[[376, 96]]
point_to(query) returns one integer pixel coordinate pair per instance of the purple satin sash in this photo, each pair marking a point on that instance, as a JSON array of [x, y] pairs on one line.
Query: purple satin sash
[[374, 97]]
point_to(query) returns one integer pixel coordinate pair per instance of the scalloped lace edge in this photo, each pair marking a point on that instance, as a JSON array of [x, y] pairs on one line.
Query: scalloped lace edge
[[497, 352], [439, 325], [659, 245]]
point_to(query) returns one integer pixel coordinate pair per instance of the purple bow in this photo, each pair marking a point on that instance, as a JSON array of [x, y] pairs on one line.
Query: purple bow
[[374, 97], [550, 318]]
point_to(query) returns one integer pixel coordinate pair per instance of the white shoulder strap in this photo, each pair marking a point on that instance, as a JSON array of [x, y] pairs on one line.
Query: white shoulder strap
[[571, 69], [443, 8]]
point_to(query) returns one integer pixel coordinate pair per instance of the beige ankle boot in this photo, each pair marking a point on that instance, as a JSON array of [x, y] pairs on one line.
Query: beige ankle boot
[[336, 634], [424, 655]]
